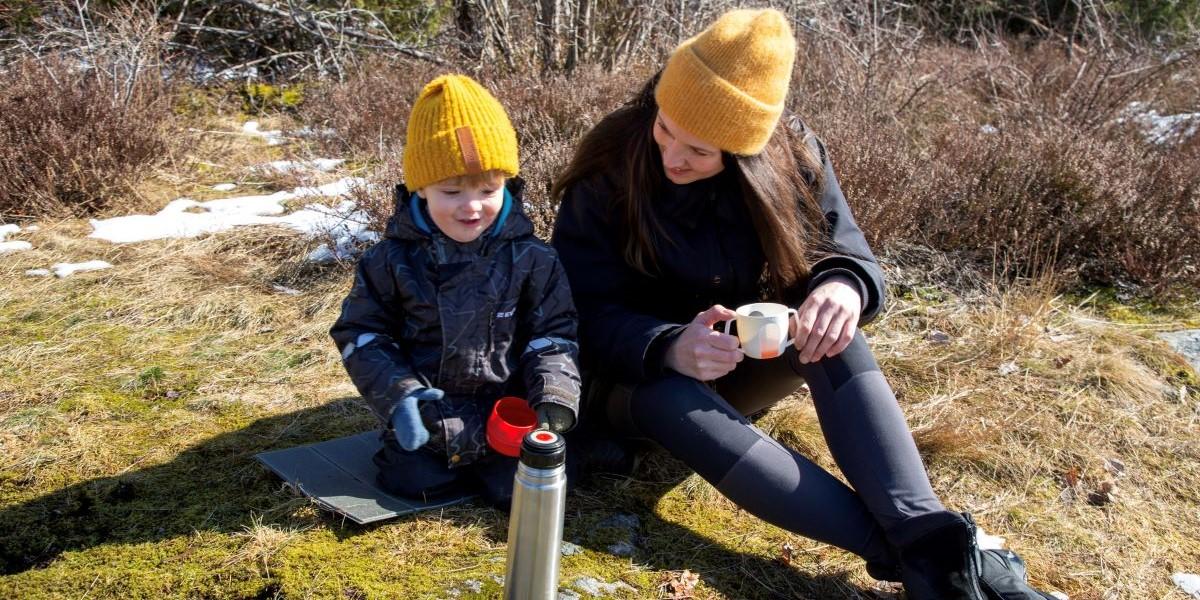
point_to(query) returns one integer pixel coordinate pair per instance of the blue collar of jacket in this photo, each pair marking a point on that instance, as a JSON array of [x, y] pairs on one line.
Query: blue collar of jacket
[[410, 220], [417, 203]]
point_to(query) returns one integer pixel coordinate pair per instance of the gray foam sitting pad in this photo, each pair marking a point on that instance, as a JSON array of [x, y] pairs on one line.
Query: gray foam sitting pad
[[340, 477]]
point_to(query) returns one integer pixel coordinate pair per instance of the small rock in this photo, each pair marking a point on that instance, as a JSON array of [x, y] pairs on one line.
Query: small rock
[[1186, 343], [1060, 596], [474, 586], [989, 129], [939, 338], [38, 272], [499, 579], [1008, 368], [597, 587], [172, 394], [621, 521], [568, 595], [569, 549], [621, 548], [1114, 466], [225, 187]]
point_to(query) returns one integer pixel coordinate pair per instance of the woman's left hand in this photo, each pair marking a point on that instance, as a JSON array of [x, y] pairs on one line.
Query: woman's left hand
[[825, 323]]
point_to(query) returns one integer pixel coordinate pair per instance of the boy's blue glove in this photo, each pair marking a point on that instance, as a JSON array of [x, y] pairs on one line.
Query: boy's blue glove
[[406, 423]]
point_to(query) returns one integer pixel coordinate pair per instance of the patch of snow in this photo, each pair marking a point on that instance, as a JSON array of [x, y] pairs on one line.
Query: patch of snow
[[225, 187], [1161, 129], [38, 272], [32, 228], [569, 549], [287, 291], [1188, 582], [989, 129], [1060, 596], [310, 132], [186, 218], [273, 137], [68, 269], [6, 230], [986, 541], [324, 165], [1008, 368], [17, 246], [474, 586], [568, 595]]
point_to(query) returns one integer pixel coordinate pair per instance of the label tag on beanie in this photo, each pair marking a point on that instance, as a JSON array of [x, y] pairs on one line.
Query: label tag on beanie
[[470, 155]]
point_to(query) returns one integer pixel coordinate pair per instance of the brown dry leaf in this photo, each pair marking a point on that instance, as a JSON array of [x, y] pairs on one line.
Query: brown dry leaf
[[679, 585], [1072, 477], [1062, 361], [787, 553]]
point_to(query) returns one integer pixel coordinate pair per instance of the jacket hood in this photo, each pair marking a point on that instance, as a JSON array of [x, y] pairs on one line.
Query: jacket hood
[[409, 220]]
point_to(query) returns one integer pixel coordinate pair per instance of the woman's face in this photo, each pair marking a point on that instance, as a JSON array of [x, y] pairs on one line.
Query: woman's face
[[686, 158]]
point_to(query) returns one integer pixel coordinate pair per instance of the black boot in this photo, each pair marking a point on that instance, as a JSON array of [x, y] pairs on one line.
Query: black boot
[[942, 563], [1002, 577]]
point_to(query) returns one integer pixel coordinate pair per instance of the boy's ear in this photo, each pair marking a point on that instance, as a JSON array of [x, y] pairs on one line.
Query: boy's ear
[[421, 193]]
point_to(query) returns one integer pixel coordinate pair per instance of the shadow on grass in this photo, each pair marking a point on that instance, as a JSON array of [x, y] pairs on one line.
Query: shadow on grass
[[216, 485], [601, 520]]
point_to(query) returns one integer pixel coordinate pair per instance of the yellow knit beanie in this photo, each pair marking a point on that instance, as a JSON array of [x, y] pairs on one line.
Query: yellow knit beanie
[[728, 84], [457, 128]]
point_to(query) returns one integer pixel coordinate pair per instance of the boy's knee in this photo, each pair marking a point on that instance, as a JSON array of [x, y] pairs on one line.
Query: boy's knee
[[417, 474]]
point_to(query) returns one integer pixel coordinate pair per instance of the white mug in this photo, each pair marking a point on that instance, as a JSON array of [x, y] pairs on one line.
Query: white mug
[[762, 328]]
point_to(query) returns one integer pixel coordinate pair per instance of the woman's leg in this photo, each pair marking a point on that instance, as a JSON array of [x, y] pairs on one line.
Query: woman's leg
[[692, 422], [870, 440]]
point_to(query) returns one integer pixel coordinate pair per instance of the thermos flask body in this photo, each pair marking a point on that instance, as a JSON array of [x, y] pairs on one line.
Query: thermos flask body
[[535, 522]]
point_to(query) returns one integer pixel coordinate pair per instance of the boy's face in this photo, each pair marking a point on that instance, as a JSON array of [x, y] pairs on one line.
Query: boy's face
[[464, 207]]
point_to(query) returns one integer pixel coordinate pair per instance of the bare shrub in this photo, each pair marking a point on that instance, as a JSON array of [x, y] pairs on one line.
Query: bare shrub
[[1022, 154], [85, 114], [68, 146]]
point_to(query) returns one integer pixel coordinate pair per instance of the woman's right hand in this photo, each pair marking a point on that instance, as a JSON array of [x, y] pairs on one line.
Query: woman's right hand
[[702, 353]]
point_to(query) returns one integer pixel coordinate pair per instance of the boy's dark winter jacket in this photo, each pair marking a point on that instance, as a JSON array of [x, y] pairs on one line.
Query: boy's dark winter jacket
[[479, 321], [627, 318]]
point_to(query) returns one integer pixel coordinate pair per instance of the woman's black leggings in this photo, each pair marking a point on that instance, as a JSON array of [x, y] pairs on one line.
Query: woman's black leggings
[[705, 427]]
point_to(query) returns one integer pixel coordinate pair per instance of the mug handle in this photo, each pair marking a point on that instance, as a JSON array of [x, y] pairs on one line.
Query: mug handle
[[724, 326], [791, 315]]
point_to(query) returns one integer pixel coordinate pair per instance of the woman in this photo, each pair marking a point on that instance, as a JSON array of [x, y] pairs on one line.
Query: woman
[[693, 198]]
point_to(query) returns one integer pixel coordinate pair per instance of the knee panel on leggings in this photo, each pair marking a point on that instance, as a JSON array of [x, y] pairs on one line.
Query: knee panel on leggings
[[682, 414]]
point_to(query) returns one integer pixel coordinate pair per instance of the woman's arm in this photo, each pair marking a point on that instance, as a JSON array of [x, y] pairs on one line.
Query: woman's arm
[[850, 256]]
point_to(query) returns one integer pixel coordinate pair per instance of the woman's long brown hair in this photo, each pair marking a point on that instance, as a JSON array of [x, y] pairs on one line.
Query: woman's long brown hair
[[779, 186]]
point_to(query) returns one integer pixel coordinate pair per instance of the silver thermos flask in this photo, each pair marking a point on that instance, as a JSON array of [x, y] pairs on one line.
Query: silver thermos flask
[[535, 523]]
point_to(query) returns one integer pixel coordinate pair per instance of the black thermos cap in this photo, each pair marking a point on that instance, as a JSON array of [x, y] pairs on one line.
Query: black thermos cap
[[542, 449]]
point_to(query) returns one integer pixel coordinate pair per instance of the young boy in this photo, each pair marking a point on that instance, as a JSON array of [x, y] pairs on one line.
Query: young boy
[[459, 305]]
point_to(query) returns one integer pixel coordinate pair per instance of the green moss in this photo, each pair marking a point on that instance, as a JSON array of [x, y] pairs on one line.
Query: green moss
[[259, 98], [1132, 309]]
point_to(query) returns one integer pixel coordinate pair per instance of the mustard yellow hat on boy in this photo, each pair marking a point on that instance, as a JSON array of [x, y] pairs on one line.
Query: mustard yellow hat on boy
[[457, 128], [728, 84]]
